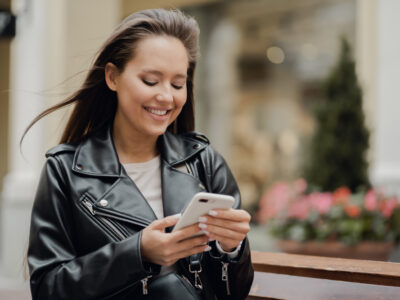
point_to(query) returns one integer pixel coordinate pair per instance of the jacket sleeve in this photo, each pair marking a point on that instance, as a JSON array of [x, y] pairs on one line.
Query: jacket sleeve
[[240, 270], [56, 271]]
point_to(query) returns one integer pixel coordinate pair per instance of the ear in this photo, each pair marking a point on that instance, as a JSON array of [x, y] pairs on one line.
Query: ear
[[111, 75]]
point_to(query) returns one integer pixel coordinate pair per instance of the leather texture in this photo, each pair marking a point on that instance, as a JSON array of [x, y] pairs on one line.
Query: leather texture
[[88, 216], [160, 288]]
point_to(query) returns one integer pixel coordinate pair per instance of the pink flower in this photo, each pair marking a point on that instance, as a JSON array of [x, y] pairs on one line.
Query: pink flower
[[299, 209], [274, 202], [371, 201], [300, 186], [388, 206], [321, 202]]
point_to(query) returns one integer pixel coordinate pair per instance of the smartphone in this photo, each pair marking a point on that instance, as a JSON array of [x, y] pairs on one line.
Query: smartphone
[[200, 204]]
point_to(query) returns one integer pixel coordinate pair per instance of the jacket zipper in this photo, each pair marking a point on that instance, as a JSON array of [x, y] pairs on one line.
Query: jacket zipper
[[144, 281], [105, 222], [188, 168], [99, 212], [190, 172], [225, 276], [113, 228]]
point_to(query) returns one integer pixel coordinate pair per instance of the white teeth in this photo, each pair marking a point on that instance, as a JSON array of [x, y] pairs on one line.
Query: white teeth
[[157, 112]]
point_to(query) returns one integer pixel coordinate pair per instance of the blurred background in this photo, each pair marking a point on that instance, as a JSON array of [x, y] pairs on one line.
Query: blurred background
[[262, 72]]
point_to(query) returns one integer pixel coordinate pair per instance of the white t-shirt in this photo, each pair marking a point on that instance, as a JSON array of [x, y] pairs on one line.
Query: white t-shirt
[[147, 177]]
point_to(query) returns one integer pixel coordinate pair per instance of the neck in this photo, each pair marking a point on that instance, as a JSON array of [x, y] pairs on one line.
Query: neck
[[132, 148]]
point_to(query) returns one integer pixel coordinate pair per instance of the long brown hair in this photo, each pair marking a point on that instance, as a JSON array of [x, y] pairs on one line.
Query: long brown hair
[[96, 104]]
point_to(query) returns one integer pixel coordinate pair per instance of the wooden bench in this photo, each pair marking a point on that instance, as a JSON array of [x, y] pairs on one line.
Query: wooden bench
[[290, 276]]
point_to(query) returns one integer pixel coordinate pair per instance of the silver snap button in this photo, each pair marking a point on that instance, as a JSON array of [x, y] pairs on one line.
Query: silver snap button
[[197, 146], [103, 202], [79, 167]]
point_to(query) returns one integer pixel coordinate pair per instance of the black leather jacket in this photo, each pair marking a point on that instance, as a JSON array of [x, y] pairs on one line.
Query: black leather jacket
[[83, 248]]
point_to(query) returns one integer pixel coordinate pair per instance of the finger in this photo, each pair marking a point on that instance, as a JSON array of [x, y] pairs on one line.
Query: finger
[[242, 227], [186, 232], [192, 242], [169, 252], [227, 242], [237, 215], [194, 250], [165, 222], [225, 232]]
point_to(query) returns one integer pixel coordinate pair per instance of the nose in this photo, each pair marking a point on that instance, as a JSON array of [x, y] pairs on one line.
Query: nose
[[165, 95]]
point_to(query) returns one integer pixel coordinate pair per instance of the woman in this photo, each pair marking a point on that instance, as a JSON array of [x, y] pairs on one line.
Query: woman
[[127, 165]]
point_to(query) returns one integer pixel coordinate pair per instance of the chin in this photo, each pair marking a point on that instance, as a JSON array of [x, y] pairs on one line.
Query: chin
[[157, 132]]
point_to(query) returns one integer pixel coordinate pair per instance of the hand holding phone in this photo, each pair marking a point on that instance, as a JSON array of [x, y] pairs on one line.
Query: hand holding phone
[[200, 205]]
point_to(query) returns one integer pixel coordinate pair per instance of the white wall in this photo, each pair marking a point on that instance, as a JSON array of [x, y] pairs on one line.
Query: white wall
[[55, 40], [386, 164], [28, 75]]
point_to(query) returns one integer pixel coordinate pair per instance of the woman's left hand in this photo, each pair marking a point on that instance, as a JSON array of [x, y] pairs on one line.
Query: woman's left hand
[[228, 227]]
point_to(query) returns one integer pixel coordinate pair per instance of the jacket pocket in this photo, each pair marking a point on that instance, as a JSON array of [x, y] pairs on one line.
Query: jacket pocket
[[107, 224]]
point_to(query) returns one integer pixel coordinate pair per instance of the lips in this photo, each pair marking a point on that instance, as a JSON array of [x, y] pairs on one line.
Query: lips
[[158, 112]]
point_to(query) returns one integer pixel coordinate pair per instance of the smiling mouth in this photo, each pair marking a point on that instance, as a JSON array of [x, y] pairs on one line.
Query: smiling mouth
[[157, 111]]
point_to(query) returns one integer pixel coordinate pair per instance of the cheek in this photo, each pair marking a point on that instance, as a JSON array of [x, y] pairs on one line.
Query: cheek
[[179, 107], [179, 103], [134, 91], [181, 99]]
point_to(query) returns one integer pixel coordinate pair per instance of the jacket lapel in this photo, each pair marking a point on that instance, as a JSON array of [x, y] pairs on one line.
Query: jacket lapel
[[178, 189], [125, 200], [96, 158]]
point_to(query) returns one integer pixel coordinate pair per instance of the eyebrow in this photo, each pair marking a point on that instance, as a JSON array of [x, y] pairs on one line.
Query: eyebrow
[[155, 72]]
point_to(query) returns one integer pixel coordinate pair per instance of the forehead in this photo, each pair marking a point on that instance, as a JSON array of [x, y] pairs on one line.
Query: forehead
[[162, 53]]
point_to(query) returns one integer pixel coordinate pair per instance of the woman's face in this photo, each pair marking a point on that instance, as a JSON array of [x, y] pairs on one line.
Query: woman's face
[[151, 89]]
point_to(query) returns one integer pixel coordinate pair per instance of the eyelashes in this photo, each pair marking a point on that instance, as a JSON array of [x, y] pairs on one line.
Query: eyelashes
[[153, 83], [149, 83], [178, 87]]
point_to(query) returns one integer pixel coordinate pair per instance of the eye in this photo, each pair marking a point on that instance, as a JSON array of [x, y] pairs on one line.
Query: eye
[[149, 83], [177, 86]]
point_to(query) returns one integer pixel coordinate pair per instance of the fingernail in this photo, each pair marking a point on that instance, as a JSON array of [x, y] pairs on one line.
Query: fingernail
[[212, 213], [211, 240], [205, 232], [202, 225], [177, 216], [208, 248], [203, 219]]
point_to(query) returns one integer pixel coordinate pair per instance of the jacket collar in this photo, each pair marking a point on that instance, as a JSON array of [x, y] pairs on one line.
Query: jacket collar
[[96, 155]]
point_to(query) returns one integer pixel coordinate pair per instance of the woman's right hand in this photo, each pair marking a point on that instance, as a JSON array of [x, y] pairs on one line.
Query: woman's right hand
[[165, 249]]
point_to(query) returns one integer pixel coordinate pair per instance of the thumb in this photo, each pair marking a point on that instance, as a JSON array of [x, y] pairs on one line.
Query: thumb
[[166, 222]]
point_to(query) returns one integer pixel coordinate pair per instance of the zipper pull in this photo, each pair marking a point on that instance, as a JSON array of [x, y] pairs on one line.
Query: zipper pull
[[197, 281], [188, 168], [224, 271], [89, 206], [225, 276], [144, 285]]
